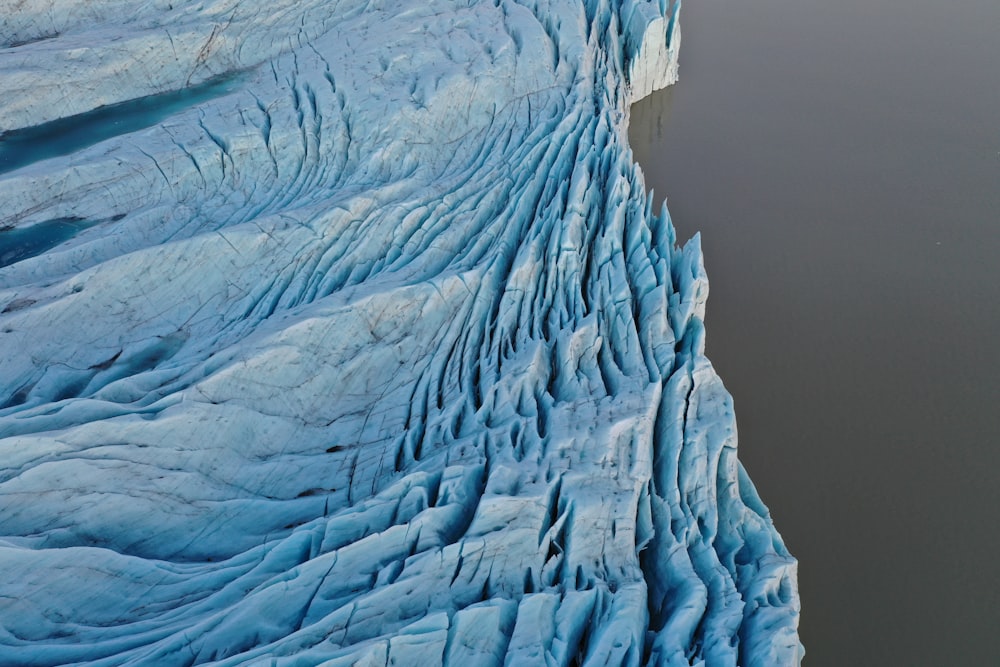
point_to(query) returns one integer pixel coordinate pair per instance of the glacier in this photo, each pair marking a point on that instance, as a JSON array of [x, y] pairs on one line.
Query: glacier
[[345, 333]]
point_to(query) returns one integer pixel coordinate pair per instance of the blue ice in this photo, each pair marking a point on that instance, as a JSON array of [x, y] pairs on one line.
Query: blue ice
[[379, 356]]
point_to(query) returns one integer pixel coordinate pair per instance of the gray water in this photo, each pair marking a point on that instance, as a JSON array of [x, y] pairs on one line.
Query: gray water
[[842, 162]]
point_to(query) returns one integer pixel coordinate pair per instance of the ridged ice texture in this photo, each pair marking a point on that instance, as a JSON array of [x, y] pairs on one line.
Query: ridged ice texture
[[366, 348]]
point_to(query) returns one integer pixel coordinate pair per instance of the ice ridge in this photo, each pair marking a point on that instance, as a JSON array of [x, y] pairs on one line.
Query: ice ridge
[[374, 354]]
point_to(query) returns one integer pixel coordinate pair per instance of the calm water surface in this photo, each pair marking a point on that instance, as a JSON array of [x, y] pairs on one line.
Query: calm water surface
[[842, 162]]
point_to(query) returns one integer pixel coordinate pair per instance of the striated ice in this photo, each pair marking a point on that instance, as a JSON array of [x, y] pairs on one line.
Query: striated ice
[[343, 333]]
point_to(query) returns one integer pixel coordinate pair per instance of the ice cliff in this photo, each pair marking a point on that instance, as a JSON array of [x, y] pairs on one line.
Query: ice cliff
[[343, 333]]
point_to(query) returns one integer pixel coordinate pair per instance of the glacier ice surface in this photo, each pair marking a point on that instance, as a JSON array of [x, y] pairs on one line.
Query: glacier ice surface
[[344, 333]]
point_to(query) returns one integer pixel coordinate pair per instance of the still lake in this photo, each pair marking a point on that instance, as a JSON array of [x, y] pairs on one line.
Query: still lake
[[842, 163]]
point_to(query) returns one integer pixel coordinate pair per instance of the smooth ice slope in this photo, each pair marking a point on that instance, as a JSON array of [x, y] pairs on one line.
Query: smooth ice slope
[[369, 351]]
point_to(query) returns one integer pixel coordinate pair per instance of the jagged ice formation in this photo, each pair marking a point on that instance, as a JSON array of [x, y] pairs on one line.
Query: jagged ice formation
[[343, 333]]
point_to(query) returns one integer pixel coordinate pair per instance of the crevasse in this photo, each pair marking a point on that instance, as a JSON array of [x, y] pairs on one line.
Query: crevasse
[[375, 354]]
